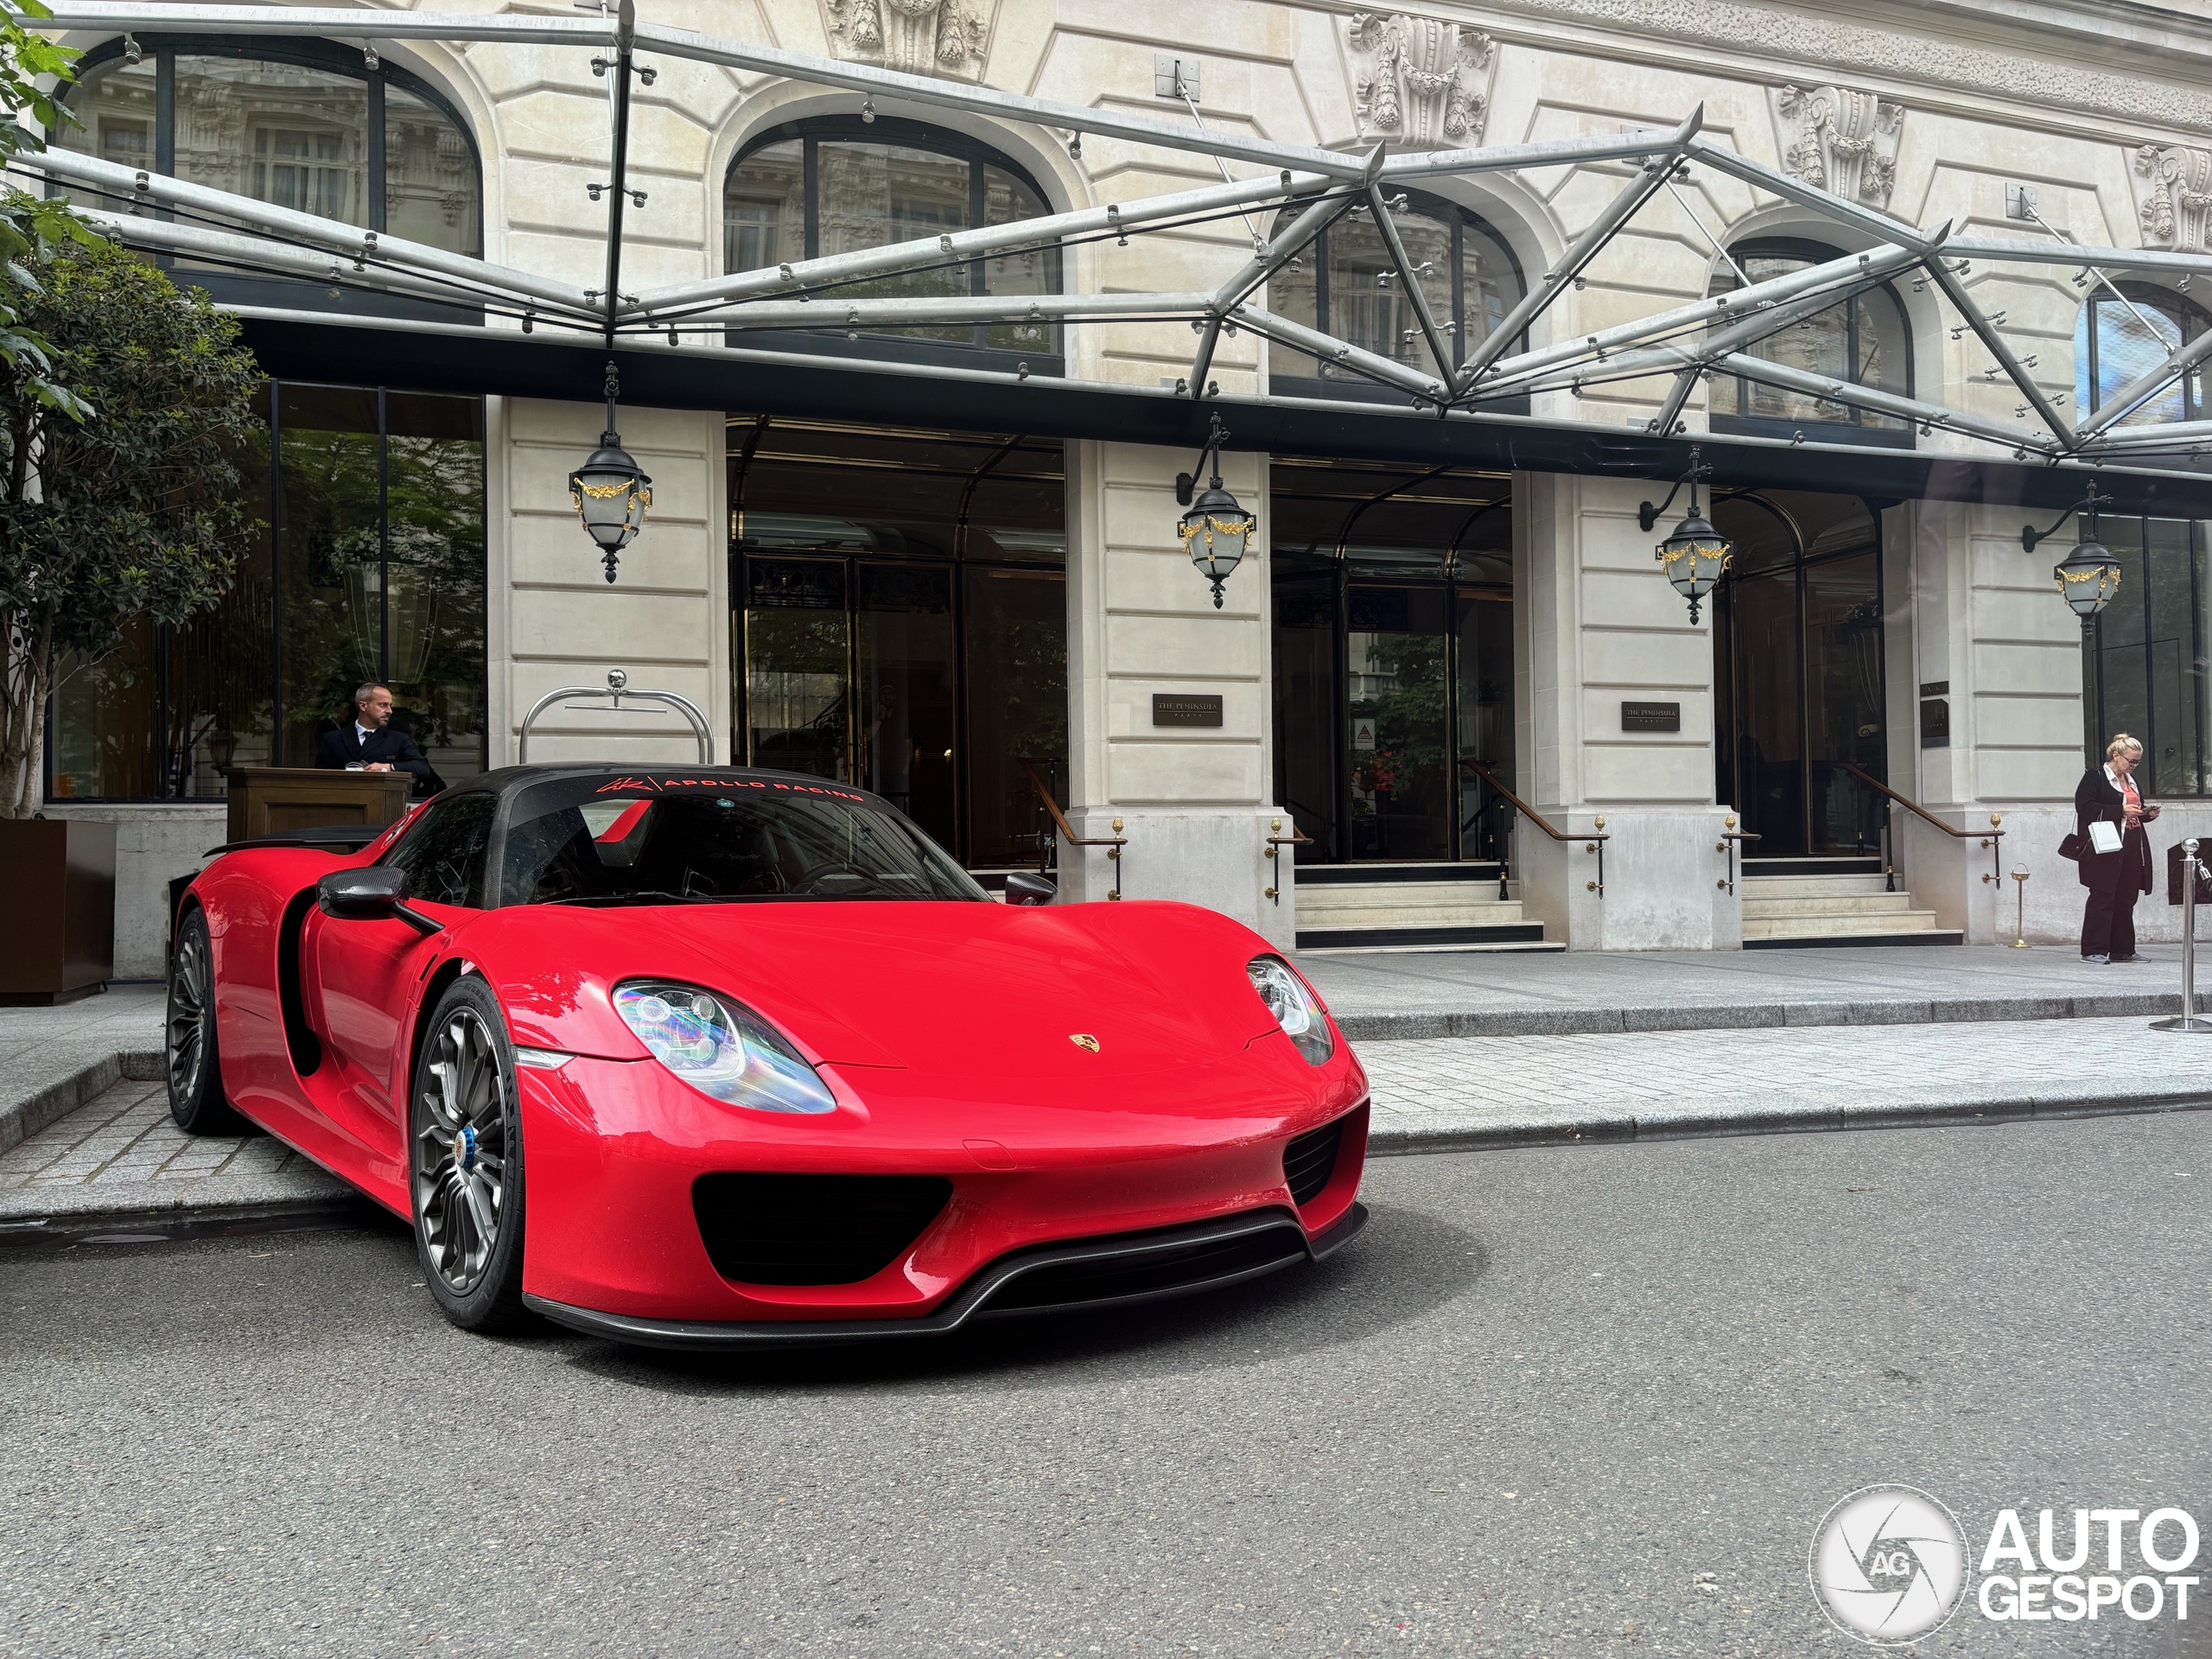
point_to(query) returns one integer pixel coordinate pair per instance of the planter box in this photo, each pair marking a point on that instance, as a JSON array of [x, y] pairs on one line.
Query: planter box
[[57, 889]]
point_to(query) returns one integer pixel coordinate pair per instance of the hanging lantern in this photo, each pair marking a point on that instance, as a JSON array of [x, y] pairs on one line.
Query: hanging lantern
[[1696, 555], [1216, 528], [611, 494], [2088, 577]]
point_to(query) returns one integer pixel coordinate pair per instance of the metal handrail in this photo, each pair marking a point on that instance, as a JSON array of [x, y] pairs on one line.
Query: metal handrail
[[1596, 840], [1990, 837], [1276, 842], [1115, 843], [1730, 835], [617, 686]]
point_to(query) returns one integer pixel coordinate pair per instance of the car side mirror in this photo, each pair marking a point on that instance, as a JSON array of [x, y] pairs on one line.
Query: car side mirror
[[1027, 887], [375, 892]]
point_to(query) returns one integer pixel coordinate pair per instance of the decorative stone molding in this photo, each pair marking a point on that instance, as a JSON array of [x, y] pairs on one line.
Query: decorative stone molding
[[1840, 140], [1421, 83], [2176, 210], [921, 37]]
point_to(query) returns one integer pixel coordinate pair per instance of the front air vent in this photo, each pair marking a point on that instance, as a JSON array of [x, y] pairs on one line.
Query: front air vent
[[812, 1229], [1139, 1266], [1310, 1160]]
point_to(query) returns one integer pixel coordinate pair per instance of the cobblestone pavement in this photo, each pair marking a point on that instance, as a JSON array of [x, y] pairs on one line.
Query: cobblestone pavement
[[1471, 1090], [122, 1153]]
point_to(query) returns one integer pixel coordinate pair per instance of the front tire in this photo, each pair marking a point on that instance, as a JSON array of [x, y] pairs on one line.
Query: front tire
[[195, 1071], [464, 1161]]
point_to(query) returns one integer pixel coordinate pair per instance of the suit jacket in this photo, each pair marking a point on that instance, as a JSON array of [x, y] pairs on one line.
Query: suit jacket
[[342, 747], [2127, 871]]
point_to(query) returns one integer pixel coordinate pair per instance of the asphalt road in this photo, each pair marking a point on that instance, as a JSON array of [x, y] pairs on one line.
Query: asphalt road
[[1581, 1401]]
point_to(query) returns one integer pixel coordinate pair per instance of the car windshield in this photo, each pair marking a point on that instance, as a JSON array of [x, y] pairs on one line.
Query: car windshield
[[651, 840]]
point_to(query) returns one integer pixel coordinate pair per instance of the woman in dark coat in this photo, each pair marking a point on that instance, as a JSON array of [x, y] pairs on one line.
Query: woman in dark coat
[[2110, 794]]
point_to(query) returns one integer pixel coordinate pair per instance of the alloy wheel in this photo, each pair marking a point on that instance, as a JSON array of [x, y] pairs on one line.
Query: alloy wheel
[[188, 1014], [460, 1150]]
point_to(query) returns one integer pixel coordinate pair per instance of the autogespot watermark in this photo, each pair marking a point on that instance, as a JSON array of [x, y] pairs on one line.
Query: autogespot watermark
[[1890, 1563]]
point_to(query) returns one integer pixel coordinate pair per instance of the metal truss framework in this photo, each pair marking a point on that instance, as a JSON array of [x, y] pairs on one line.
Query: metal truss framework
[[1713, 336]]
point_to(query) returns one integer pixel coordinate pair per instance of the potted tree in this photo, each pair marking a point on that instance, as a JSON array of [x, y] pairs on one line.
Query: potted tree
[[122, 427]]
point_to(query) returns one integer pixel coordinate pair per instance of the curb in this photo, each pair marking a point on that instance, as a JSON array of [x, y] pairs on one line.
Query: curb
[[1796, 1118], [22, 1119], [1750, 1016]]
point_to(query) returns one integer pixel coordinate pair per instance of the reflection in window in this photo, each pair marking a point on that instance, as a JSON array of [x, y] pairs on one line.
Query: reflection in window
[[299, 125], [2117, 339], [2144, 668], [1861, 341], [1346, 285], [838, 186], [379, 575]]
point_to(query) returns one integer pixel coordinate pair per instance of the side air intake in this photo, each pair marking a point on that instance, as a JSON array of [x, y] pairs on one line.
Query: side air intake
[[1310, 1160]]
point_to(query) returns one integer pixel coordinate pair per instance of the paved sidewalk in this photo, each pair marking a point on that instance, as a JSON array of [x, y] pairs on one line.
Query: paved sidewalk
[[1386, 995], [1495, 1092], [119, 1158], [121, 1155], [53, 1061]]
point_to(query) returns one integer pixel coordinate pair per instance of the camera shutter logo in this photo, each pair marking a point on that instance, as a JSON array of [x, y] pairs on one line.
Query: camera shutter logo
[[1889, 1565]]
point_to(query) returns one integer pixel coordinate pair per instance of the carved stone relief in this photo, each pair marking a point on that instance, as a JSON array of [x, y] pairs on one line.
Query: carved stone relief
[[1421, 83], [1843, 141], [2176, 208], [921, 37]]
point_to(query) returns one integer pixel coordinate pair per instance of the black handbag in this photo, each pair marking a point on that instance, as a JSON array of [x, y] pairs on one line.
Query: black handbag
[[2076, 846]]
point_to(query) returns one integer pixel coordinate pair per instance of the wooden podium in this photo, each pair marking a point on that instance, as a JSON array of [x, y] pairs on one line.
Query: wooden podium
[[279, 800]]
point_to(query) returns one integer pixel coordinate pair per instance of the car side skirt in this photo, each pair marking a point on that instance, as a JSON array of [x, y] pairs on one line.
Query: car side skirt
[[970, 1302]]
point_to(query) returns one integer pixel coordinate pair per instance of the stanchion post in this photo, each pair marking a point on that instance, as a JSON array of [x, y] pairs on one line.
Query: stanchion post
[[2020, 911], [2192, 872]]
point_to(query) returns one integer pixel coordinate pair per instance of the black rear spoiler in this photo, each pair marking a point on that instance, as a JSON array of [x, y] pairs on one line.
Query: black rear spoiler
[[351, 836]]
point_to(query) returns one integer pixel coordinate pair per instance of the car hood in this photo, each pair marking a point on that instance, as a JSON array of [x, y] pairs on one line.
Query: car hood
[[931, 986]]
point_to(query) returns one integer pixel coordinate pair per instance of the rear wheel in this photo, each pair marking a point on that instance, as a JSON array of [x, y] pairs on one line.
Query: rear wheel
[[195, 1072], [465, 1162]]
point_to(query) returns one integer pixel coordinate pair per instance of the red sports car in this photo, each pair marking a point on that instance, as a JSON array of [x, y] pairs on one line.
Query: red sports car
[[720, 1057]]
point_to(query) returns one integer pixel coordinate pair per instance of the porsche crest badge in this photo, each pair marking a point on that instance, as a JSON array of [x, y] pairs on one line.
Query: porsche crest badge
[[1083, 1039]]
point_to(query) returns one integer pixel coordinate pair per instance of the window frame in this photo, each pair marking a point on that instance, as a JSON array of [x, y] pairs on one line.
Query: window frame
[[1345, 387], [163, 48], [1851, 428], [811, 133], [2178, 309]]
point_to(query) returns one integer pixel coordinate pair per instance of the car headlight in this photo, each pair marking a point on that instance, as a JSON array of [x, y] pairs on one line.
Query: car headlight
[[720, 1047], [1294, 1006]]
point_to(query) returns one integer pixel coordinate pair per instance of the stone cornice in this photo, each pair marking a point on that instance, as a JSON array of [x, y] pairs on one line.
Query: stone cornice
[[2148, 66]]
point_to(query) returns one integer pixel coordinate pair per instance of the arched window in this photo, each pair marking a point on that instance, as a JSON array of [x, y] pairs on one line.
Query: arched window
[[814, 189], [2116, 339], [1863, 340], [304, 124], [1346, 285]]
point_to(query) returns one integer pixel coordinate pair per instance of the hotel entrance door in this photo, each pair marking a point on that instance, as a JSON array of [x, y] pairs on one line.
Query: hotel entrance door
[[1797, 643], [1393, 664]]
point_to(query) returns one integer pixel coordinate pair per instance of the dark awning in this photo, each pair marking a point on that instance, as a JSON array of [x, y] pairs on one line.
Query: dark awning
[[432, 358]]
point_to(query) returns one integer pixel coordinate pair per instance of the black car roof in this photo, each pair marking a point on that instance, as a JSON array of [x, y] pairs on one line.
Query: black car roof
[[507, 781]]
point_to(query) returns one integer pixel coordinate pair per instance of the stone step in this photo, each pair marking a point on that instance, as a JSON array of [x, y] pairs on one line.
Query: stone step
[[1490, 915], [1832, 926], [1806, 887], [1856, 904], [1522, 935]]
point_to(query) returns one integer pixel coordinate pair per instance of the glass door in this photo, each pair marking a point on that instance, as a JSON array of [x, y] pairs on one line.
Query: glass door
[[908, 718], [1397, 717], [798, 670]]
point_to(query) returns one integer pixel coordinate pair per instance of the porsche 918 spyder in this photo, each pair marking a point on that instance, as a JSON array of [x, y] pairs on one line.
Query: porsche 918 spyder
[[720, 1057]]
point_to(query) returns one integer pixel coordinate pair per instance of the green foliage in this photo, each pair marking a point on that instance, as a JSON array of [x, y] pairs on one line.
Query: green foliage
[[138, 513], [30, 226]]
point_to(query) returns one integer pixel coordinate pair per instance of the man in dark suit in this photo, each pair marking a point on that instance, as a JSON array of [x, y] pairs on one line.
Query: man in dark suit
[[372, 742], [2110, 794]]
